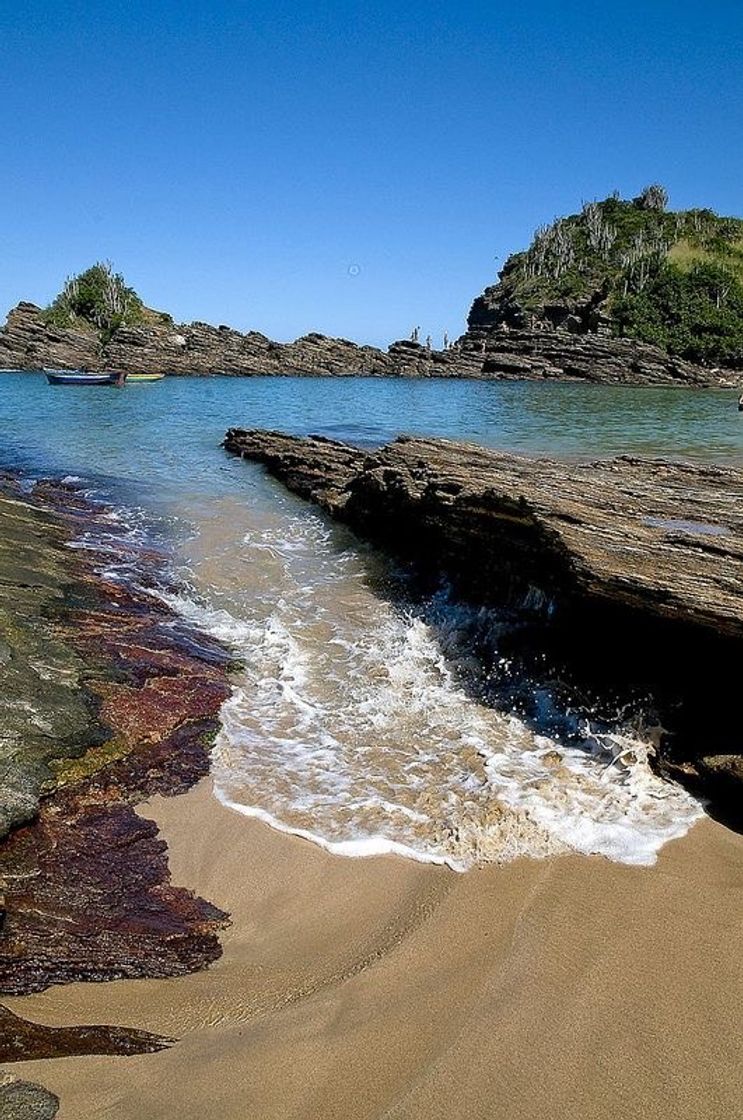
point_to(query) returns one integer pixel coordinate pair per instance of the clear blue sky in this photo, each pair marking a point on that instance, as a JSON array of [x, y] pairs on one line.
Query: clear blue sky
[[353, 168]]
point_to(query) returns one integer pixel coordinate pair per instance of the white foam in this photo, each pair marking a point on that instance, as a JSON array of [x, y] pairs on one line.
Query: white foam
[[353, 726], [352, 849]]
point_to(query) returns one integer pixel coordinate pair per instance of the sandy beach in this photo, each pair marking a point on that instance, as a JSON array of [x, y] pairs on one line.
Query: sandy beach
[[571, 987]]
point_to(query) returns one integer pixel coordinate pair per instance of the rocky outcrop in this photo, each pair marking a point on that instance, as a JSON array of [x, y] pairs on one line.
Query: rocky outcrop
[[108, 699], [490, 349], [27, 342], [572, 341], [161, 346], [24, 1100], [23, 1041], [625, 576], [616, 271], [544, 353], [43, 712]]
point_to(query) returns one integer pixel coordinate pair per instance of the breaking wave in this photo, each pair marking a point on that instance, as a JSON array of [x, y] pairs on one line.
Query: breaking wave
[[359, 722]]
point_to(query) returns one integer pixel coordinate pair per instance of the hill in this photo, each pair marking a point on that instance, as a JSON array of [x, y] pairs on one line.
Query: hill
[[629, 269]]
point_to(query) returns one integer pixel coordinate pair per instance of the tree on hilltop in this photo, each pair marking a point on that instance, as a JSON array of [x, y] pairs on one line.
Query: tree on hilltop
[[99, 297]]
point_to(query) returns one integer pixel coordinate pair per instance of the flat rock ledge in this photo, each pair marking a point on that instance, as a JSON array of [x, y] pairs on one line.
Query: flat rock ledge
[[629, 572]]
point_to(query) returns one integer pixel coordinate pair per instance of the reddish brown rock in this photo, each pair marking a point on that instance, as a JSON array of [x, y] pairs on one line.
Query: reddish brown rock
[[87, 890], [21, 1040]]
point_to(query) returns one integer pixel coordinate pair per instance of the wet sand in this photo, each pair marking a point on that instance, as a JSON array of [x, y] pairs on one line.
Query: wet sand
[[357, 989]]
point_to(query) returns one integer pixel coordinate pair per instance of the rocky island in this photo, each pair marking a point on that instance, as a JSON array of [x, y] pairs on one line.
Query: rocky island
[[623, 292]]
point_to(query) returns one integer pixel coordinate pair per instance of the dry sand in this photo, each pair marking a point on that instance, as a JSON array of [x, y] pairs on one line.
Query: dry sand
[[357, 989]]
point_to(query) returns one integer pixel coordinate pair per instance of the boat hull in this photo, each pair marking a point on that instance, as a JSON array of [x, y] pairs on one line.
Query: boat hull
[[136, 377], [61, 377]]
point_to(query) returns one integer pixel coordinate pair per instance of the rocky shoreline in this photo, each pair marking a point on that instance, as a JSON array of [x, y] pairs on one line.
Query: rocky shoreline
[[621, 579], [109, 698], [488, 350]]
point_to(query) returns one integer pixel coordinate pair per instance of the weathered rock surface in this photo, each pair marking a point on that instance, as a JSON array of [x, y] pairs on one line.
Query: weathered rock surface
[[489, 349], [662, 538], [43, 712], [161, 346], [24, 1100], [85, 884], [559, 354], [21, 1041], [27, 342], [628, 571]]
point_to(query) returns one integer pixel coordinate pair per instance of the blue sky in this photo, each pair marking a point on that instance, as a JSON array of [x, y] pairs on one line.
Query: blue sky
[[352, 168]]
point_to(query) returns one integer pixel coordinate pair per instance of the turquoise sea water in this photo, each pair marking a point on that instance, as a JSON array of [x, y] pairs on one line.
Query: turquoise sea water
[[359, 721], [171, 428]]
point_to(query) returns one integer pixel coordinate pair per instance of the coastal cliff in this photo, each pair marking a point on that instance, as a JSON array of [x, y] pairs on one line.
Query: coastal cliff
[[621, 579]]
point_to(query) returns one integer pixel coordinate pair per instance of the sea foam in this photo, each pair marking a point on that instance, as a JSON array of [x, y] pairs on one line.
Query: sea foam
[[358, 723]]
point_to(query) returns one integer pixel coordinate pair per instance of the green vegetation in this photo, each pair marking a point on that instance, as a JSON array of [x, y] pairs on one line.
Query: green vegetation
[[697, 314], [674, 278], [97, 298]]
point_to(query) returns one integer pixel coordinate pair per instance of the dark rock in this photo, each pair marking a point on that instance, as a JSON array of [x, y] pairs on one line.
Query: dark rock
[[21, 1040], [498, 344], [628, 572], [43, 711], [571, 340], [160, 346], [665, 539], [88, 889], [132, 712], [569, 354], [27, 343], [24, 1100]]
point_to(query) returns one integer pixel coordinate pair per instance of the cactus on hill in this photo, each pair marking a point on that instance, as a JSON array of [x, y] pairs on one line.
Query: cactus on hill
[[633, 268]]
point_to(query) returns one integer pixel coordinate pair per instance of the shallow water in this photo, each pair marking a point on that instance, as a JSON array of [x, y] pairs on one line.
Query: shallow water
[[360, 717]]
